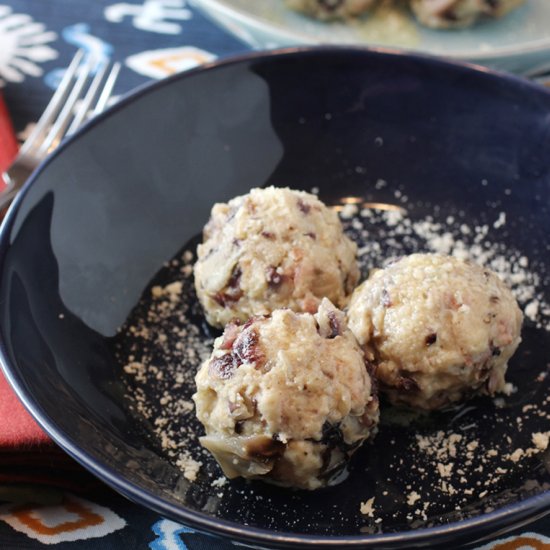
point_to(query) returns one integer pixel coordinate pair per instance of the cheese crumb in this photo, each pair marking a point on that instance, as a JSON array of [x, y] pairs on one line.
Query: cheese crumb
[[349, 211], [219, 482], [445, 469], [500, 221], [367, 508], [540, 440], [532, 310], [189, 466], [171, 291], [516, 455]]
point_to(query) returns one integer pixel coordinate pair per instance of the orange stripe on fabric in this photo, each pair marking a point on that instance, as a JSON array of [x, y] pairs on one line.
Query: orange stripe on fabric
[[520, 542]]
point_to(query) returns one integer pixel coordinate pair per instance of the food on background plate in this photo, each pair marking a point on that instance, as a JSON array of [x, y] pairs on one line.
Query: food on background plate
[[270, 249], [441, 14], [331, 9], [437, 329], [286, 398], [447, 14]]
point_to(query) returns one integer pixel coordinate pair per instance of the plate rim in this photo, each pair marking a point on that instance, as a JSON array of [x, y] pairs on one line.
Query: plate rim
[[503, 519], [532, 47]]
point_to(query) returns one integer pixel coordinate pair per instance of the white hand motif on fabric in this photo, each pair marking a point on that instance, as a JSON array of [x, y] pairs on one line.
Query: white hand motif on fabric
[[152, 15], [23, 44]]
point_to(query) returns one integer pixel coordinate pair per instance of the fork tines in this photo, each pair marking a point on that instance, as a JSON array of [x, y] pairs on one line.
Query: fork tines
[[85, 88]]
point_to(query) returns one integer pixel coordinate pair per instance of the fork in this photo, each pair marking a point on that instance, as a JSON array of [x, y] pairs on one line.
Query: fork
[[70, 106]]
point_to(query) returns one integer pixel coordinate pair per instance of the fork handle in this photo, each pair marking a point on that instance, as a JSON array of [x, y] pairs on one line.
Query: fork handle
[[14, 177], [6, 198]]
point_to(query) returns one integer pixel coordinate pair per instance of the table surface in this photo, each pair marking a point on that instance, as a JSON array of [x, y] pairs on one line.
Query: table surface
[[152, 39]]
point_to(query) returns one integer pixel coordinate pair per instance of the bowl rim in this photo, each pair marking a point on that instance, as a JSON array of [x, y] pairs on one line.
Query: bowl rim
[[502, 519], [532, 47]]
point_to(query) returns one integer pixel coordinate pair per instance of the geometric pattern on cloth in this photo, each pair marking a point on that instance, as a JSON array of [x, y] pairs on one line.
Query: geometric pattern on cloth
[[525, 541], [72, 520]]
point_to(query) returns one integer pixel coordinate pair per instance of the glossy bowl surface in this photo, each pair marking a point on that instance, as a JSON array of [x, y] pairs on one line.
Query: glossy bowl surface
[[95, 226]]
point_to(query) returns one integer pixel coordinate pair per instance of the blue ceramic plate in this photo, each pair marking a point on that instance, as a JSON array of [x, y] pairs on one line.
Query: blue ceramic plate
[[98, 224], [519, 41]]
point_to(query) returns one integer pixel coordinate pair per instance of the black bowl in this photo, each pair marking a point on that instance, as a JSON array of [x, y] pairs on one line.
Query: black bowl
[[457, 146]]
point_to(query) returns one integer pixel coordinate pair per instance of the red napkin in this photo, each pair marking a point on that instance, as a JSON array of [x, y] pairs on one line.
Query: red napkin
[[8, 143], [27, 454], [17, 428]]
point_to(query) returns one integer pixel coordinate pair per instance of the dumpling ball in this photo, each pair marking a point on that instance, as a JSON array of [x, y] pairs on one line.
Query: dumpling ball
[[437, 329], [270, 249], [286, 398], [331, 9]]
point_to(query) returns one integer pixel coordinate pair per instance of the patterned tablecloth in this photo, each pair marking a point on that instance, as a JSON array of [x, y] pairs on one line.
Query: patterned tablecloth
[[152, 39]]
